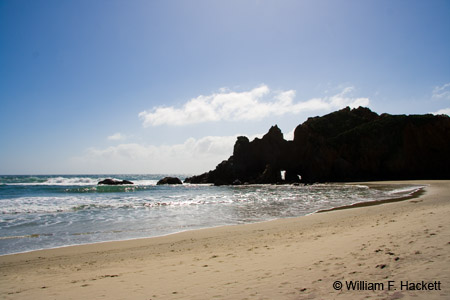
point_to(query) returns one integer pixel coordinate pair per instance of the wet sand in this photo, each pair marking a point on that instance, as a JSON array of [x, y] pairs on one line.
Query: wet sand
[[388, 247]]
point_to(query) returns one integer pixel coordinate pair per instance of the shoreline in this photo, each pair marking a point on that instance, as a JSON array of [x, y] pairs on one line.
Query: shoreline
[[414, 194], [285, 258]]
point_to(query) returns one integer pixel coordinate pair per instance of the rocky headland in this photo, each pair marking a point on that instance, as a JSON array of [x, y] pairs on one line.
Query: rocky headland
[[346, 145]]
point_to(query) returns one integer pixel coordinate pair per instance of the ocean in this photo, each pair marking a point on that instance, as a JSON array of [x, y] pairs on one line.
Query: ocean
[[50, 211]]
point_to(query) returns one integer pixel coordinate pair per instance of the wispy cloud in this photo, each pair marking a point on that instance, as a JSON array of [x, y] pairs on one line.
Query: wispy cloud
[[444, 111], [191, 156], [442, 92], [116, 137], [194, 155], [256, 104]]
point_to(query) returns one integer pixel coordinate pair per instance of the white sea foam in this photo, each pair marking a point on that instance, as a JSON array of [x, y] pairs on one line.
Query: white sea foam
[[71, 181], [59, 181], [64, 210], [145, 182], [408, 190], [77, 181], [38, 204]]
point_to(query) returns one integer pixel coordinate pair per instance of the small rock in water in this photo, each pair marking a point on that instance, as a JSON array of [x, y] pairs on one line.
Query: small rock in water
[[169, 180], [110, 181]]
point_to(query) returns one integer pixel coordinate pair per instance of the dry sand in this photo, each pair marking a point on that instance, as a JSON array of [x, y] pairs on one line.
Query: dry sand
[[298, 258]]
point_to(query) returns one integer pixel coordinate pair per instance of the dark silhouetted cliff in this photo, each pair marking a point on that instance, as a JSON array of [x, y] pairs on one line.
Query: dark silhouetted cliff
[[347, 145]]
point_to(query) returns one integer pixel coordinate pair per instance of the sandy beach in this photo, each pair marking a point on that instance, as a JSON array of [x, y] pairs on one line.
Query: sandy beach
[[372, 252]]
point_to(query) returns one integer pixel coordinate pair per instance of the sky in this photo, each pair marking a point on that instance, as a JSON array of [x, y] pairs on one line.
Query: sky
[[98, 87]]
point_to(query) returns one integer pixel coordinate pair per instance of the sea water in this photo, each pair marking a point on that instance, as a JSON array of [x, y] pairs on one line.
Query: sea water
[[41, 212]]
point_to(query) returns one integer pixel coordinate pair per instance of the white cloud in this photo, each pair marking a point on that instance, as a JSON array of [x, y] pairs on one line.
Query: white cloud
[[255, 104], [290, 135], [444, 111], [343, 99], [442, 92], [116, 137], [192, 156]]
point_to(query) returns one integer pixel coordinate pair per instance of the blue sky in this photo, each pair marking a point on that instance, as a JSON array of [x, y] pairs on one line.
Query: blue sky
[[166, 86]]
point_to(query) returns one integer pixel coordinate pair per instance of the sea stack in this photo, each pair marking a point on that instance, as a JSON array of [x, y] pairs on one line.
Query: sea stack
[[346, 145]]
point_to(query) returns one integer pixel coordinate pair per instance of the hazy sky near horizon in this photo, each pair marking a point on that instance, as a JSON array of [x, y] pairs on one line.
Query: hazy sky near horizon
[[166, 86]]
